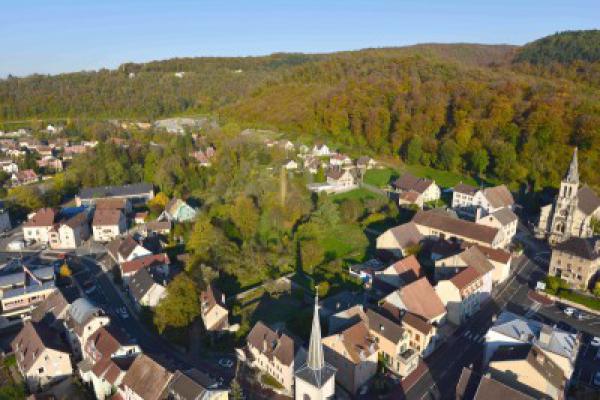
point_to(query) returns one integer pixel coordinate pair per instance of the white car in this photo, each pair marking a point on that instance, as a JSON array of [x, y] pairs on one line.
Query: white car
[[225, 363], [569, 311], [595, 341]]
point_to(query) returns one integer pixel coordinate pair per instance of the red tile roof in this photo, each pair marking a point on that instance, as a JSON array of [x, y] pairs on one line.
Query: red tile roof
[[144, 262]]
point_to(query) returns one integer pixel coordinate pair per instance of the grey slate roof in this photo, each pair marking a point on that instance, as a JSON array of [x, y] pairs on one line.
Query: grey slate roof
[[505, 216], [588, 201], [115, 191], [140, 284], [579, 247]]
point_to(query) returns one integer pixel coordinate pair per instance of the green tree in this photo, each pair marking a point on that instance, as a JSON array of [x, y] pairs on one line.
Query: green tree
[[244, 215], [311, 255], [351, 210], [449, 157], [479, 161], [28, 197], [202, 238], [180, 306], [414, 150]]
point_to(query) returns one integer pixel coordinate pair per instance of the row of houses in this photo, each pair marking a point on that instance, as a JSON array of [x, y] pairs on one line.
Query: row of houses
[[65, 337], [524, 360]]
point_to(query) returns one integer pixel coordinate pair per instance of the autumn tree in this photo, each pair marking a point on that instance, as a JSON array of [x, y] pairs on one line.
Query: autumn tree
[[180, 306]]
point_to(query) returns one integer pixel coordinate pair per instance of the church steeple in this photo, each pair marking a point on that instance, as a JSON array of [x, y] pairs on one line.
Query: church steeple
[[573, 172], [315, 359]]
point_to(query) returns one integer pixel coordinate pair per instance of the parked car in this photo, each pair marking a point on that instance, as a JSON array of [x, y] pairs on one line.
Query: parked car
[[225, 363], [595, 341], [15, 245], [569, 311]]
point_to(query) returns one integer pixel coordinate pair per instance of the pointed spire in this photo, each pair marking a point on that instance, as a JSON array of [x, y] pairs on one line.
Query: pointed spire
[[315, 360], [573, 172]]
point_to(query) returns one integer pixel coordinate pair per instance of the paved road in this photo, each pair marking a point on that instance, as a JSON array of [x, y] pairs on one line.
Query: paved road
[[465, 347], [106, 296]]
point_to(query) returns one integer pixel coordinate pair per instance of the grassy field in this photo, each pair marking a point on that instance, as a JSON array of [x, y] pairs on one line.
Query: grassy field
[[345, 241], [380, 177], [357, 194], [444, 179]]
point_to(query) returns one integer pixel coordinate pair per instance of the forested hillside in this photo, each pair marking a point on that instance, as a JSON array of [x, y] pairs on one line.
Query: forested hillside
[[507, 113]]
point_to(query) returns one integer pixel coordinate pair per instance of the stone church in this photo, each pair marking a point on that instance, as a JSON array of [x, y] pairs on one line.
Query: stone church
[[572, 210]]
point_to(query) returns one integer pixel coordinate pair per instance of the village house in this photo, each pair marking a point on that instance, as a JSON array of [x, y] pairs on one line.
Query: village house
[[572, 211], [468, 198], [576, 260], [354, 354], [9, 166], [108, 225], [436, 224], [395, 242], [44, 151], [339, 160], [107, 357], [37, 228], [504, 220], [213, 310], [290, 165], [124, 205], [24, 177], [501, 260], [393, 343], [365, 163], [146, 288], [71, 233], [461, 294], [274, 353], [398, 274], [341, 178], [413, 190], [195, 385], [137, 193], [72, 150], [83, 319], [422, 335], [177, 210], [473, 257], [312, 164], [155, 227], [125, 249], [22, 289], [514, 330], [42, 358], [158, 264], [530, 370], [50, 163], [472, 386], [419, 298], [52, 311], [145, 380], [321, 150]]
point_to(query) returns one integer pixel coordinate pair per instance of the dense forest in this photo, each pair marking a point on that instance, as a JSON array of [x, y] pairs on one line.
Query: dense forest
[[503, 112]]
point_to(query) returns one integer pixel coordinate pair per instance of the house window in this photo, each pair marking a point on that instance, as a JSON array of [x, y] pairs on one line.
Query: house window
[[41, 370]]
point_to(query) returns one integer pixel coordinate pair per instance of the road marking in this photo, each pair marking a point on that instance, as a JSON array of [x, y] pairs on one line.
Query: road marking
[[466, 334]]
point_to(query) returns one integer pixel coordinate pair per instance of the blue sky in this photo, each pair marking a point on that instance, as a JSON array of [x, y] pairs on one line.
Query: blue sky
[[52, 36]]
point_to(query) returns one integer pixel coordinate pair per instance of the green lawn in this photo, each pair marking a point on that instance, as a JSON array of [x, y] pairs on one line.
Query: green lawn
[[358, 194], [346, 240], [444, 179], [380, 177]]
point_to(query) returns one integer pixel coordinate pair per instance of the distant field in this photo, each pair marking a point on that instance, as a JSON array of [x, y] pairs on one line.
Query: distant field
[[380, 177], [345, 241], [358, 194]]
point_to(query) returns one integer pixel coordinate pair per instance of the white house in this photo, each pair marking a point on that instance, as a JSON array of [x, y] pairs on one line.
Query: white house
[[145, 290], [418, 190], [126, 249], [321, 150], [38, 227], [468, 198], [83, 319], [71, 233], [472, 256], [9, 166], [502, 219], [290, 165], [108, 224], [461, 294]]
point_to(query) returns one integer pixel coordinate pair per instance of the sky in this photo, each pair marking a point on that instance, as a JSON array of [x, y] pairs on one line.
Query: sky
[[54, 36]]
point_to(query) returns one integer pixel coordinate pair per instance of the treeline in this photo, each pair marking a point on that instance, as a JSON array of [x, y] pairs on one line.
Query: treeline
[[563, 47], [465, 108]]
